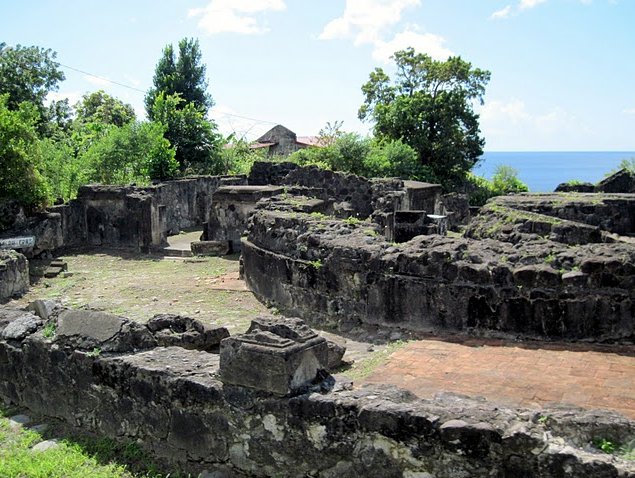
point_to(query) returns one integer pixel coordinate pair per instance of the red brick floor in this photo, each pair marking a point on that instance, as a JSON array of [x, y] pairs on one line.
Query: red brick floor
[[516, 375]]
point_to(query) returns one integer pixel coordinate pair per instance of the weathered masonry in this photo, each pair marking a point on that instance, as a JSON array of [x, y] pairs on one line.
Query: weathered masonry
[[196, 410]]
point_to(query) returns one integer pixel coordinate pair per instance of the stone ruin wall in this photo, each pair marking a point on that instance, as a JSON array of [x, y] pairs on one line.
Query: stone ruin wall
[[138, 218], [333, 272], [180, 406], [14, 274]]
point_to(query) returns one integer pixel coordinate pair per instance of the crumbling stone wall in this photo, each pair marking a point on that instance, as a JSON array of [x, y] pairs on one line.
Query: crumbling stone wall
[[610, 212], [172, 402], [329, 270], [133, 217], [14, 274]]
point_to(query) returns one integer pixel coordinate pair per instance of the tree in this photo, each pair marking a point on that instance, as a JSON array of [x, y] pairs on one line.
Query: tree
[[20, 178], [28, 74], [183, 75], [429, 107], [100, 107], [136, 152], [195, 140]]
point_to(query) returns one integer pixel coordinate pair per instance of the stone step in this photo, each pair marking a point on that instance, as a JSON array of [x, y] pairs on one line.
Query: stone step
[[53, 271], [173, 252]]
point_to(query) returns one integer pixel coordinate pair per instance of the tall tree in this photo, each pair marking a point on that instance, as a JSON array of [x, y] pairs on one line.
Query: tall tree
[[194, 138], [182, 74], [429, 106], [28, 74], [100, 107]]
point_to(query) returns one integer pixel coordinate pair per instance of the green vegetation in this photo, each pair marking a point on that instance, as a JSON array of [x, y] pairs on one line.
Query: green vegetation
[[504, 181], [428, 106], [48, 150], [628, 164], [365, 367], [625, 451], [49, 330], [316, 264], [72, 458]]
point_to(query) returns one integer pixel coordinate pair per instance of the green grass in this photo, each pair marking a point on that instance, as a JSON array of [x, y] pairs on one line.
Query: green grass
[[69, 460], [365, 367]]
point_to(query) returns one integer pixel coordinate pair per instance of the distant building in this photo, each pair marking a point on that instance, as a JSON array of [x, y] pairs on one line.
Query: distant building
[[281, 141]]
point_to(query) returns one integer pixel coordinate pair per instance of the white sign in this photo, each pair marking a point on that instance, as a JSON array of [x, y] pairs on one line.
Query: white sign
[[17, 242]]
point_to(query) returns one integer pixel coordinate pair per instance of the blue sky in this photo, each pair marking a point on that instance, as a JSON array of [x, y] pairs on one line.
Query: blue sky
[[563, 71]]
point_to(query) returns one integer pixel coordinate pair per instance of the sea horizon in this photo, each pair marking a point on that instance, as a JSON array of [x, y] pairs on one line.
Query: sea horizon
[[542, 171]]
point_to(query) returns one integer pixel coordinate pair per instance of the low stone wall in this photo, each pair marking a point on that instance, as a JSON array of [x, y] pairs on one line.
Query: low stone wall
[[138, 218], [173, 403], [14, 274], [610, 212], [333, 271]]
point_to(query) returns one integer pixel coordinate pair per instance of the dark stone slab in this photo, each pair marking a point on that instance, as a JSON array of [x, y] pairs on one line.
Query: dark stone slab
[[88, 330]]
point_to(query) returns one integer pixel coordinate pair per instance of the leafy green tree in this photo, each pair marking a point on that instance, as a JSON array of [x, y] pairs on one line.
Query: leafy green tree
[[100, 107], [194, 138], [429, 107], [28, 74], [135, 152], [20, 178], [182, 74]]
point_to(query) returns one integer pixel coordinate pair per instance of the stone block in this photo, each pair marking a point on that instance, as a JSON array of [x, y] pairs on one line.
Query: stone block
[[87, 330], [43, 308], [175, 330], [210, 248], [281, 357], [22, 326], [53, 272]]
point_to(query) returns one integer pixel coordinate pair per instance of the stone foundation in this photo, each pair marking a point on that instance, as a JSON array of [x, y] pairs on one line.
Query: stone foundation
[[345, 273], [174, 404], [14, 274]]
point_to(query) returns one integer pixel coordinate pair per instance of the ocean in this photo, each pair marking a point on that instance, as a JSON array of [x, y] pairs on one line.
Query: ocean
[[543, 171]]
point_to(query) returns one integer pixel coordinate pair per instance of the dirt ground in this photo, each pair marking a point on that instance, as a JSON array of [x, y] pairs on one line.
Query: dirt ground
[[140, 286]]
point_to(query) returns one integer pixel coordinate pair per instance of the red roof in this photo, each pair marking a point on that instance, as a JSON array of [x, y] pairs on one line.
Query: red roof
[[309, 140], [261, 145]]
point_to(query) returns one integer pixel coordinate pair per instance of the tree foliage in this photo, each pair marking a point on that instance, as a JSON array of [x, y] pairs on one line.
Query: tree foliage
[[28, 74], [429, 107], [504, 181], [20, 179], [133, 153], [350, 153], [100, 107], [195, 140], [182, 74]]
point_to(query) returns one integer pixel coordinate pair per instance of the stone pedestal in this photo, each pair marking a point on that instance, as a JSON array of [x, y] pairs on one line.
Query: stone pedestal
[[278, 356]]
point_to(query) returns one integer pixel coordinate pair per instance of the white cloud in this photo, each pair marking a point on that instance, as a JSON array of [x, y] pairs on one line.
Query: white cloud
[[502, 13], [510, 124], [72, 96], [421, 42], [94, 80], [234, 16], [365, 20], [527, 4], [629, 111]]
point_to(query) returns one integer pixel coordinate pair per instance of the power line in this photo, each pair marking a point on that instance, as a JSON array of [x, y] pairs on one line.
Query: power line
[[102, 78], [142, 91]]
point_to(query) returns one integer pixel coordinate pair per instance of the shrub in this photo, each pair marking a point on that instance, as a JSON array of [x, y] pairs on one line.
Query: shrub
[[20, 177]]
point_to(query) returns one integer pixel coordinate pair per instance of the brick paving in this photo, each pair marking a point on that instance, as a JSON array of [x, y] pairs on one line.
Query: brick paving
[[517, 375]]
